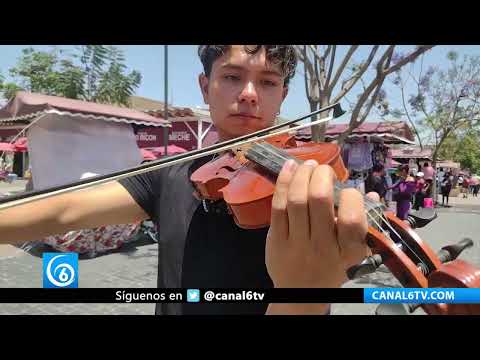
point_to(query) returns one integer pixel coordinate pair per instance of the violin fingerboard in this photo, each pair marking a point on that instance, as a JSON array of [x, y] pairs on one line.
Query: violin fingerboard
[[272, 159], [269, 157]]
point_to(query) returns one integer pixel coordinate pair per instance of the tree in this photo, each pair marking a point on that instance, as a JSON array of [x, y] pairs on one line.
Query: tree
[[92, 73], [446, 103], [463, 148], [327, 81]]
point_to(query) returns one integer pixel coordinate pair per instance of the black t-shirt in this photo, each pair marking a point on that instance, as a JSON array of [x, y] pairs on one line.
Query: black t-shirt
[[377, 184], [199, 246]]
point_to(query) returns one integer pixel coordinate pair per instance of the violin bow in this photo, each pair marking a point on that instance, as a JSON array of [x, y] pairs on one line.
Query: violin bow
[[36, 195]]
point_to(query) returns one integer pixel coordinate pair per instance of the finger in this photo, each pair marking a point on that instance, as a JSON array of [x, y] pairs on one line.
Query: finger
[[373, 196], [352, 227], [321, 209], [297, 203], [279, 217]]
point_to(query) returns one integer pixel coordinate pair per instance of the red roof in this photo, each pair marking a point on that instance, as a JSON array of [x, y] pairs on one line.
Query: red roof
[[396, 130], [412, 153], [25, 106]]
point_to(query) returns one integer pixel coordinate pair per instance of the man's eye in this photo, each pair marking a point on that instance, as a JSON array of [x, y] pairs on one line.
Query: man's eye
[[232, 77], [269, 83]]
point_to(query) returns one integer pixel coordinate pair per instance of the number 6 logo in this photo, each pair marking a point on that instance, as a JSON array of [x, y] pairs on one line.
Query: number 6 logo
[[62, 274]]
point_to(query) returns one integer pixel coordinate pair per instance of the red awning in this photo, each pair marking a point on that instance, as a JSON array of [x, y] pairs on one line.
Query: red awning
[[7, 147], [27, 106], [148, 155], [160, 150], [21, 145]]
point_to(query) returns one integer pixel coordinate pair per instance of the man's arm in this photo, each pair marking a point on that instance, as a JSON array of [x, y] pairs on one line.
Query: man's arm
[[107, 204]]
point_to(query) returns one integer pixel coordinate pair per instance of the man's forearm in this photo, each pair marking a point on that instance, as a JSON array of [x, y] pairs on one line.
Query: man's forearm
[[31, 221]]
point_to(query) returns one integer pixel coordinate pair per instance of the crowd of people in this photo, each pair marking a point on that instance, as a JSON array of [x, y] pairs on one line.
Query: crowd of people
[[415, 190]]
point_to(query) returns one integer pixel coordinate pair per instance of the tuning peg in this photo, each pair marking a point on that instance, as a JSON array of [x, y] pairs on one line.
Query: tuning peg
[[368, 266]]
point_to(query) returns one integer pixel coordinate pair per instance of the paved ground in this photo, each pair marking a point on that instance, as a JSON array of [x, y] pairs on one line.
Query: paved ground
[[136, 266]]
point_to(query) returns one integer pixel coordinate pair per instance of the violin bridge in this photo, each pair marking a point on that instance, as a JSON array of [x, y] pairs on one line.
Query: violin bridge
[[240, 151]]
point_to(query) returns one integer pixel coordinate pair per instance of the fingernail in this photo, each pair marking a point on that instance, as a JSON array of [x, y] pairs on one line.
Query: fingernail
[[311, 162]]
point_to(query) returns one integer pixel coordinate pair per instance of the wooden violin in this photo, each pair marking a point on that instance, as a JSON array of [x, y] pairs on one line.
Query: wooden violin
[[245, 177]]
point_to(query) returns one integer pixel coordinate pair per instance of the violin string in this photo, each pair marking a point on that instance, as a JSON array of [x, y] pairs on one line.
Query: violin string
[[385, 220], [373, 206]]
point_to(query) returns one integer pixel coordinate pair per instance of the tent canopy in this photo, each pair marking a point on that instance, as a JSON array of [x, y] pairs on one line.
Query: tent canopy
[[27, 106]]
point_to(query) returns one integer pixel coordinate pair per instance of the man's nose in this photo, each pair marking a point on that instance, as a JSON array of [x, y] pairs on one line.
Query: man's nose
[[249, 93]]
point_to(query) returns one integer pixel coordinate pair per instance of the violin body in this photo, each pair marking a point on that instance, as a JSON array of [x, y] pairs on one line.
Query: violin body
[[246, 182], [252, 209]]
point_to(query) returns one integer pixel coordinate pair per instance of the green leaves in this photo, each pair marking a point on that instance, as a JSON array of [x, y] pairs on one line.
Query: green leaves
[[92, 72]]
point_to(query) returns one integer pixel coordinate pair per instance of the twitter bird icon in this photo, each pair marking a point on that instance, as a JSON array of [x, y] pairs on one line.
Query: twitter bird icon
[[193, 295]]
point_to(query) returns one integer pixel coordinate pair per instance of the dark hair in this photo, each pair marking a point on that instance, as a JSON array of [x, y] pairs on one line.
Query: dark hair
[[378, 167], [404, 167], [283, 55]]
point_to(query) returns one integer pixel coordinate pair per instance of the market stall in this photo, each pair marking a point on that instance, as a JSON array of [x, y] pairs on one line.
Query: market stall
[[68, 140], [368, 145]]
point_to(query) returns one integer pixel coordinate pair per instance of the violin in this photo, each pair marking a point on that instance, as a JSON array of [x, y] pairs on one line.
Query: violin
[[244, 178]]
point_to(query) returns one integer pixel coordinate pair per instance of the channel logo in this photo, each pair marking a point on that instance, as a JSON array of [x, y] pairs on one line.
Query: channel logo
[[60, 270]]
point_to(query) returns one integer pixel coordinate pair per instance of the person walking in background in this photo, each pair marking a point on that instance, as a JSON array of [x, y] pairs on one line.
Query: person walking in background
[[376, 182], [465, 187], [388, 185], [405, 188], [428, 174], [476, 187], [446, 187], [420, 191]]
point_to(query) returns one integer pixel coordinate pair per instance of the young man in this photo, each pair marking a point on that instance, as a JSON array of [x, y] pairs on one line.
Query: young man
[[307, 245]]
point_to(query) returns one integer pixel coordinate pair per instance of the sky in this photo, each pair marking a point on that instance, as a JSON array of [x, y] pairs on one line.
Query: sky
[[184, 67]]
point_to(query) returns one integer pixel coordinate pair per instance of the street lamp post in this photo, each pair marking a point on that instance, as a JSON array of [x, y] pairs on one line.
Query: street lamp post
[[165, 129]]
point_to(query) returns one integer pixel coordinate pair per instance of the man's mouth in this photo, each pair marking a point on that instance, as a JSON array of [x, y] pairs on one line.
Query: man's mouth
[[246, 115]]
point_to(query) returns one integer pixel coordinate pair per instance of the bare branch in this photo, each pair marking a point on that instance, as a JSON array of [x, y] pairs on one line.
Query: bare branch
[[357, 75], [341, 68], [408, 116], [318, 55], [332, 62], [409, 58], [305, 74], [378, 80], [319, 75], [329, 48]]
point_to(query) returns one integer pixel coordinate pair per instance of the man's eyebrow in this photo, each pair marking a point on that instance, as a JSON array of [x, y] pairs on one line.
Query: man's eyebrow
[[238, 67]]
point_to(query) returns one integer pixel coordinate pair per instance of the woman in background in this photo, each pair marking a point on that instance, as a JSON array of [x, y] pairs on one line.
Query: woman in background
[[405, 188]]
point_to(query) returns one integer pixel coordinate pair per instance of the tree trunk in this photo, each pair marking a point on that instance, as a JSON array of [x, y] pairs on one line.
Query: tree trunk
[[313, 107], [318, 131]]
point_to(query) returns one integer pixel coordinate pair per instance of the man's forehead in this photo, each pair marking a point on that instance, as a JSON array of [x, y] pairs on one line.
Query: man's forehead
[[237, 57]]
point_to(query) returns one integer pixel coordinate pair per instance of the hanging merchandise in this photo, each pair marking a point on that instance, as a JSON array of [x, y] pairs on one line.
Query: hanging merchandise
[[379, 154], [360, 156]]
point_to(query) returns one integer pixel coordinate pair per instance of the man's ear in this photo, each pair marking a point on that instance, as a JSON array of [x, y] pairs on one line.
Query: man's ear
[[203, 82]]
